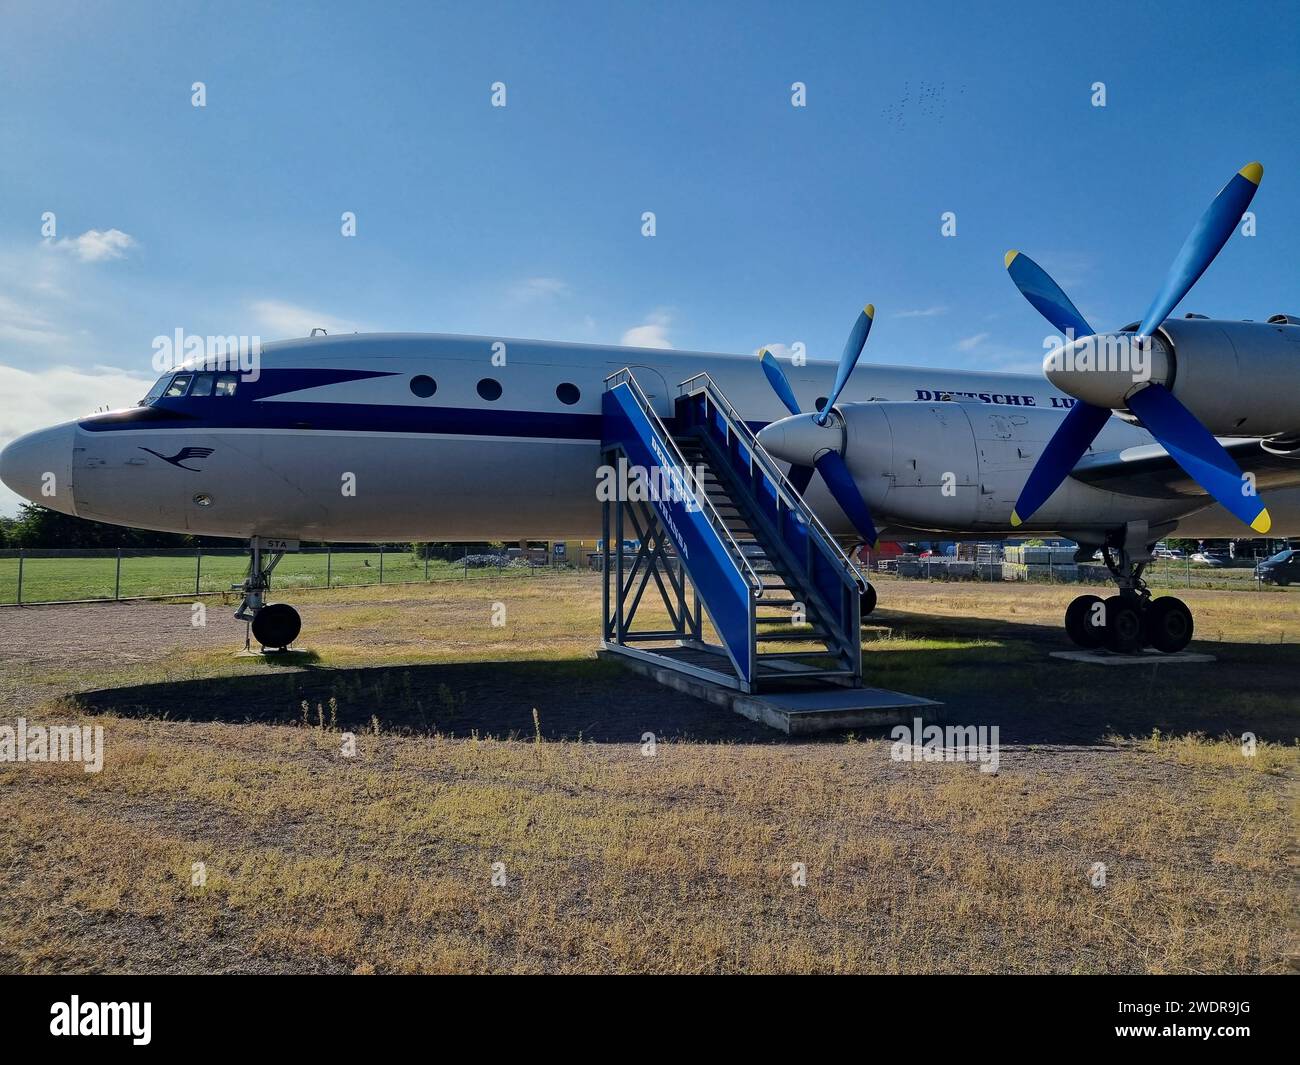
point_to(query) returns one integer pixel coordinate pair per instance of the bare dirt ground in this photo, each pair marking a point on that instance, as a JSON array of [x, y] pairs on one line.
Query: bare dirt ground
[[467, 833]]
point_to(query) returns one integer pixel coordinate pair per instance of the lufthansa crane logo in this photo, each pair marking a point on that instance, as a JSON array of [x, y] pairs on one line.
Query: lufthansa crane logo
[[182, 456]]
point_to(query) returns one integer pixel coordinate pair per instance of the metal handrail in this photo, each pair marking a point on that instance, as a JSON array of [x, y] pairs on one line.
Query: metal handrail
[[643, 401], [792, 498]]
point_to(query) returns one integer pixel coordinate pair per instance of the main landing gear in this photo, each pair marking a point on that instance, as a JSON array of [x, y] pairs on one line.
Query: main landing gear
[[1131, 620], [273, 625]]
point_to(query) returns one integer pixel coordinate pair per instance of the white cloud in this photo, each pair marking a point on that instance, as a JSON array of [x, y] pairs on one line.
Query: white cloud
[[926, 312], [277, 320], [653, 333], [96, 245], [970, 343], [33, 400], [539, 288], [781, 351]]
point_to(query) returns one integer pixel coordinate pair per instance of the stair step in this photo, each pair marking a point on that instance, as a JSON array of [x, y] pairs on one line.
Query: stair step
[[791, 637]]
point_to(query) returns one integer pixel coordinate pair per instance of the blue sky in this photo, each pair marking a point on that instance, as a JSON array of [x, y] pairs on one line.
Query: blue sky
[[774, 223]]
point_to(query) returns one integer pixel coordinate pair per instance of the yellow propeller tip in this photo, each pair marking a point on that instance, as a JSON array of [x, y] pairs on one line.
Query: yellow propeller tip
[[1015, 520], [1263, 522], [869, 310], [1009, 258], [1252, 172]]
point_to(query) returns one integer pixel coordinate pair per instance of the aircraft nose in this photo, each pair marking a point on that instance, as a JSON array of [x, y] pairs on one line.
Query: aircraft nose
[[799, 439], [38, 467]]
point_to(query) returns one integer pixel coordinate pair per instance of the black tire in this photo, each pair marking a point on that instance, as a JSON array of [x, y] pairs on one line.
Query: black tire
[[1281, 580], [1124, 633], [1080, 618], [868, 600], [1168, 624], [276, 625]]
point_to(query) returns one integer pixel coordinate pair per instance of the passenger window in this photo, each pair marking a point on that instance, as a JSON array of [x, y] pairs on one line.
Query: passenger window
[[567, 394], [178, 386], [202, 384], [489, 389], [423, 385], [226, 383]]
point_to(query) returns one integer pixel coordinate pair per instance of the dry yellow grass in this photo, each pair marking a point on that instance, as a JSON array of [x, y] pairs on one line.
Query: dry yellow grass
[[615, 862]]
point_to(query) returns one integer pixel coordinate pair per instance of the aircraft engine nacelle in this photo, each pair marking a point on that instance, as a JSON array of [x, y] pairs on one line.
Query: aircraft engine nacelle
[[1237, 378], [916, 462]]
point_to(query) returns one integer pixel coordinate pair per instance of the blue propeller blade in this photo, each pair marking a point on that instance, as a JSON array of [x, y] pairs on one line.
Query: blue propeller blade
[[1039, 289], [1194, 448], [849, 358], [800, 477], [780, 384], [836, 474], [1204, 243], [1066, 447]]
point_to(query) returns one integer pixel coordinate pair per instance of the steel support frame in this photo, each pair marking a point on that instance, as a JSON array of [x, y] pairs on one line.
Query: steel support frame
[[624, 584]]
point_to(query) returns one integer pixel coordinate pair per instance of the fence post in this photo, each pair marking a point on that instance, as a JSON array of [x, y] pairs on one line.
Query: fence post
[[465, 549], [426, 562], [20, 576], [117, 576], [329, 565], [381, 563], [198, 568]]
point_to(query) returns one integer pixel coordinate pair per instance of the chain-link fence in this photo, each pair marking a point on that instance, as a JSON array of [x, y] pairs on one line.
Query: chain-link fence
[[1233, 575], [31, 576]]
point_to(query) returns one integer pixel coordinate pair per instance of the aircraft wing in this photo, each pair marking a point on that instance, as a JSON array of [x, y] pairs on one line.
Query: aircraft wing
[[1149, 471]]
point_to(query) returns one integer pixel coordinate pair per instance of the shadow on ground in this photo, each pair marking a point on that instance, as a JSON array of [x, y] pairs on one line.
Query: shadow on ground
[[1007, 680], [596, 700]]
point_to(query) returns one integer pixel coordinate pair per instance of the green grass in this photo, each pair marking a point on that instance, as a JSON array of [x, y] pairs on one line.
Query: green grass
[[64, 578]]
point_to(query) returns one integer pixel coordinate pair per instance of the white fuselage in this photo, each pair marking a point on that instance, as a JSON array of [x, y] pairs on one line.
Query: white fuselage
[[334, 443]]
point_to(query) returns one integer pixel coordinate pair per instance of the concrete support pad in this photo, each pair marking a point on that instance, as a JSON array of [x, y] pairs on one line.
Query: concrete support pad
[[794, 713], [1147, 657]]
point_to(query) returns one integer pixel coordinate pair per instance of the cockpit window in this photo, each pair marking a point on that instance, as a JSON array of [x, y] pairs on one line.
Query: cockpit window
[[226, 383], [157, 390], [178, 386], [202, 384]]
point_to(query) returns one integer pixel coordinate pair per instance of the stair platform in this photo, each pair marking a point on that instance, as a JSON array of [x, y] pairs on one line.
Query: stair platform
[[800, 713]]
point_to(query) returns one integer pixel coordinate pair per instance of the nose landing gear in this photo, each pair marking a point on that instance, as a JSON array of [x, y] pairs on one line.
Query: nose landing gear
[[273, 625], [1128, 622]]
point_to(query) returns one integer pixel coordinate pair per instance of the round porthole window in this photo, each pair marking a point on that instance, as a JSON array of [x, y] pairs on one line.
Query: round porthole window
[[567, 394], [489, 389], [424, 386]]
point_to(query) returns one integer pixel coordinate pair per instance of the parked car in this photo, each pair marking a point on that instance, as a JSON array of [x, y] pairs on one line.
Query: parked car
[[1281, 569], [1210, 558]]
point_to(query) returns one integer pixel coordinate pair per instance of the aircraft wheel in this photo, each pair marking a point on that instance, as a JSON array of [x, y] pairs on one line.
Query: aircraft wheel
[[1168, 624], [868, 600], [1123, 624], [276, 625], [1081, 621]]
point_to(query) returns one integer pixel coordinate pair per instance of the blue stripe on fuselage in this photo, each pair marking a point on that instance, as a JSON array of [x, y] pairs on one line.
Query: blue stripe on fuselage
[[254, 406], [355, 417]]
